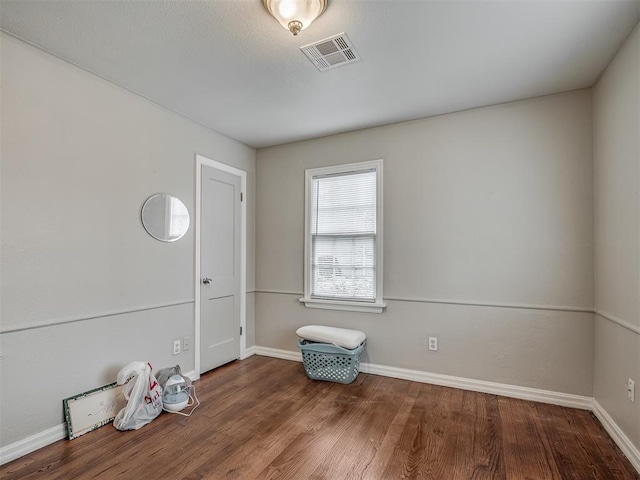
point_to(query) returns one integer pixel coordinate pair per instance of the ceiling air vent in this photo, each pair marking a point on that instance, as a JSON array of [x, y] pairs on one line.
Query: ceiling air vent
[[331, 52]]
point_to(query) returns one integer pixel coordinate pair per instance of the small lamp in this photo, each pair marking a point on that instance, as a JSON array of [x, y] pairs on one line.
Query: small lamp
[[295, 15]]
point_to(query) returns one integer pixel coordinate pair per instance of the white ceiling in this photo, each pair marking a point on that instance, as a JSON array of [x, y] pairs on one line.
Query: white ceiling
[[230, 66]]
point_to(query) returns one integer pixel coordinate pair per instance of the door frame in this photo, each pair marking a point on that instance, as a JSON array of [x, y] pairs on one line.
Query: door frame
[[201, 162]]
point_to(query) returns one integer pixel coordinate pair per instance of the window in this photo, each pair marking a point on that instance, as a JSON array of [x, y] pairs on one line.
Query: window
[[343, 237]]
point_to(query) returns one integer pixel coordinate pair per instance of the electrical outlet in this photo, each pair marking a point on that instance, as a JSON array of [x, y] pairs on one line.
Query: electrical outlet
[[631, 390], [176, 347], [186, 343], [433, 343]]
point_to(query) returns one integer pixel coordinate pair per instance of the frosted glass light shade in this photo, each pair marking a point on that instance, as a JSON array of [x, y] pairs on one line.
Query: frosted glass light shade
[[295, 15]]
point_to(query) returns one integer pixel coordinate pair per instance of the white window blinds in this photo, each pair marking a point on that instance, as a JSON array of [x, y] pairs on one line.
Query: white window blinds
[[343, 236]]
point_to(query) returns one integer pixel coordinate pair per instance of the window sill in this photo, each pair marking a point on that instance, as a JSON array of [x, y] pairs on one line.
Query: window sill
[[343, 305]]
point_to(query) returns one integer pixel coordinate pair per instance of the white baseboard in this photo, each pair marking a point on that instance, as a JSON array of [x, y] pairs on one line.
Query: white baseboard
[[278, 353], [32, 443], [249, 351], [513, 391], [505, 390], [628, 448]]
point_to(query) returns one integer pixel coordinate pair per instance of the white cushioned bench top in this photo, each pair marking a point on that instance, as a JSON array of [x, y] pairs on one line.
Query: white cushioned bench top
[[341, 337]]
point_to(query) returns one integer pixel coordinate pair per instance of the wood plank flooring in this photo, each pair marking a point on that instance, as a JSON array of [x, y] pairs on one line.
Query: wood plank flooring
[[262, 418]]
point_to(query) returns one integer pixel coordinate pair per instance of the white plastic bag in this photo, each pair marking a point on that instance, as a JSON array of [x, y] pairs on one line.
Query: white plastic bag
[[143, 395]]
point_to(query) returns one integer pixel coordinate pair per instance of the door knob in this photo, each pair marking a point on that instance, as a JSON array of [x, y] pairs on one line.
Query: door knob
[[206, 280]]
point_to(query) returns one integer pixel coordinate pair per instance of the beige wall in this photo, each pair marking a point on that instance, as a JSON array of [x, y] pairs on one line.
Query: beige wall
[[487, 206], [617, 236], [79, 158]]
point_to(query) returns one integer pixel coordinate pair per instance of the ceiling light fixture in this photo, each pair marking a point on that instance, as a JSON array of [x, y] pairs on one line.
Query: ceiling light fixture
[[295, 15]]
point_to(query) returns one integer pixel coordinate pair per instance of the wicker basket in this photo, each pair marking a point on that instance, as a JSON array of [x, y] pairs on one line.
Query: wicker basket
[[324, 361]]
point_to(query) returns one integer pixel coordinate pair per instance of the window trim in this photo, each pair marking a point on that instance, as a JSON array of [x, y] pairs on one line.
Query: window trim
[[333, 304]]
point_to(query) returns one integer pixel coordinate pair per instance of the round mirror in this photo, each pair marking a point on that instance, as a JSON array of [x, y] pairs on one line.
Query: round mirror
[[165, 217]]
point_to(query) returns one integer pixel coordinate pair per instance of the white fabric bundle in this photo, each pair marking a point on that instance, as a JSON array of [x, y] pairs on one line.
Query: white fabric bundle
[[341, 337]]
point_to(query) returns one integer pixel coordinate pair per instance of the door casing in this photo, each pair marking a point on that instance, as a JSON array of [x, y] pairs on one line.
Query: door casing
[[200, 162]]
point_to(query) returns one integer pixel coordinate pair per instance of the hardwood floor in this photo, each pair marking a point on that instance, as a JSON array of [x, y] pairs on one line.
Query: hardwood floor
[[262, 418]]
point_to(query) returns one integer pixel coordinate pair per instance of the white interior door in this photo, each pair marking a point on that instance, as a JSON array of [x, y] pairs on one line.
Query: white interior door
[[220, 272]]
